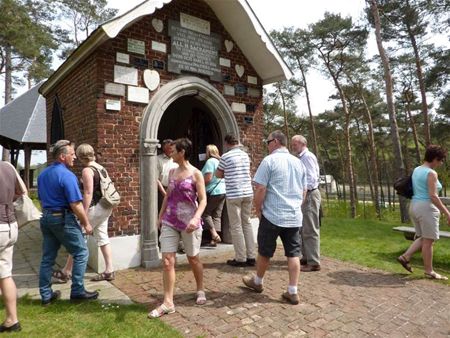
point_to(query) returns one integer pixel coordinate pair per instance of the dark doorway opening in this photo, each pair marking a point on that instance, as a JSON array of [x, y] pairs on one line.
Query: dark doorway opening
[[191, 118]]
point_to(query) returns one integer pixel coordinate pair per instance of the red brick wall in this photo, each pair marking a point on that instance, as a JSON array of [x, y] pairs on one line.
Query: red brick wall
[[115, 135]]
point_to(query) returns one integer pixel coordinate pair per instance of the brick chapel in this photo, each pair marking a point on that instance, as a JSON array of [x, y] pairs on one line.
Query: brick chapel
[[164, 69]]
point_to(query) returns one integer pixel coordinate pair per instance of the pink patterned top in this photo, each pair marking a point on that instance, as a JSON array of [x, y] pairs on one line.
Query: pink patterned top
[[181, 203]]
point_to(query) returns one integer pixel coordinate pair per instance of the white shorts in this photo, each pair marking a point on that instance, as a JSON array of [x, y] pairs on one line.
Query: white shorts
[[98, 217], [425, 217], [8, 237], [170, 238]]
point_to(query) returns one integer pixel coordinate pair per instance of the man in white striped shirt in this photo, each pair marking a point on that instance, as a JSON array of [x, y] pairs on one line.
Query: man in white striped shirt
[[234, 165], [280, 185], [310, 231]]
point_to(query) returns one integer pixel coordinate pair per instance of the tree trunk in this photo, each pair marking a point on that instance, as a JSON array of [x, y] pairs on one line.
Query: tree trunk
[[344, 172], [413, 127], [286, 126], [421, 81], [311, 119], [400, 168], [8, 90]]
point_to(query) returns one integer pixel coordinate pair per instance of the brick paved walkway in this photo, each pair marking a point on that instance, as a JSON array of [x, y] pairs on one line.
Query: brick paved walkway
[[341, 300]]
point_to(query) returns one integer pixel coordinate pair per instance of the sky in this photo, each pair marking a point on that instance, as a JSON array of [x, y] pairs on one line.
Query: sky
[[274, 15]]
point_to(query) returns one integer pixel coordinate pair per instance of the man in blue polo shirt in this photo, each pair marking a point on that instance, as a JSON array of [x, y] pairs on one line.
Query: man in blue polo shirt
[[61, 201], [280, 187]]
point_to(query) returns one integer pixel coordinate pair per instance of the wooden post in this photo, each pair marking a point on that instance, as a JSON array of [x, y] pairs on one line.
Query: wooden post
[[26, 174]]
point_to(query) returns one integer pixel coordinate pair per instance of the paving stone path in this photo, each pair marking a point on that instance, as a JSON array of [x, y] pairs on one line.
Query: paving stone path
[[342, 300]]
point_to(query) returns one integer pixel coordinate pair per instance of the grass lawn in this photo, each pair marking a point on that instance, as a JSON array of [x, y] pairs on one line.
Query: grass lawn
[[91, 319], [374, 244]]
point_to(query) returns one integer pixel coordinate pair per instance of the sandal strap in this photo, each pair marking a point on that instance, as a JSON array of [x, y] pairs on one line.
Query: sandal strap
[[161, 311]]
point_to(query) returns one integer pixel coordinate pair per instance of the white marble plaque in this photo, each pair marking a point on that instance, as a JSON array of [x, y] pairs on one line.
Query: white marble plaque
[[228, 90], [239, 70], [136, 46], [228, 45], [158, 25], [225, 62], [138, 94], [195, 24], [252, 79], [125, 75], [238, 107], [114, 89], [159, 46], [202, 157], [122, 58], [113, 105], [253, 92], [151, 79]]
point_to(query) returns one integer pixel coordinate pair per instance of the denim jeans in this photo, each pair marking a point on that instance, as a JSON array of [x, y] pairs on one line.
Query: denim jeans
[[56, 230]]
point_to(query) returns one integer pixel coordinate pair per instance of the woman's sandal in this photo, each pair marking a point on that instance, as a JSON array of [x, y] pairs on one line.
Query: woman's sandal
[[108, 276], [201, 298], [161, 311], [435, 275], [405, 263], [217, 239], [61, 277]]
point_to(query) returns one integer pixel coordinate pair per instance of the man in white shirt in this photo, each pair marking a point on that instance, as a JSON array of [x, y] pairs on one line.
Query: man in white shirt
[[165, 164], [310, 231]]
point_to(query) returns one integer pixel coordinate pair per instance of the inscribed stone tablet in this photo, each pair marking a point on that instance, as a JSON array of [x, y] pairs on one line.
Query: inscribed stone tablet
[[122, 58], [125, 75], [136, 46], [138, 94], [228, 90], [253, 92], [238, 107], [195, 24], [252, 79], [113, 105], [225, 62], [159, 46], [114, 89]]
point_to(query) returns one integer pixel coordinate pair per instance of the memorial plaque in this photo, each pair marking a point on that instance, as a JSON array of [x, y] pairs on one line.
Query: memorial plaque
[[125, 75], [252, 79], [195, 24], [113, 105], [140, 63], [136, 46], [157, 64], [226, 77], [238, 107], [138, 94], [228, 90], [122, 58], [225, 62], [114, 89], [248, 119], [193, 52], [159, 46], [250, 107], [253, 92], [240, 89]]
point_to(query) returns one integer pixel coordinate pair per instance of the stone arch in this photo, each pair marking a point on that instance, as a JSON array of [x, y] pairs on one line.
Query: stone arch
[[166, 95]]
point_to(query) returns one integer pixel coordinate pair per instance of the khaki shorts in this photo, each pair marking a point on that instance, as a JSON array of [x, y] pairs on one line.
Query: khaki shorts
[[8, 236], [170, 238], [425, 217], [98, 217]]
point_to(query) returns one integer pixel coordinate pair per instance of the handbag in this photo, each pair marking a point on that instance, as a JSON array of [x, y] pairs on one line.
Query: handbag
[[24, 208], [404, 187]]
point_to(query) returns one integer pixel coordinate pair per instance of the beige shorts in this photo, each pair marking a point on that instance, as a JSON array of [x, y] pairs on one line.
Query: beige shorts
[[8, 236], [425, 217], [98, 217], [170, 238]]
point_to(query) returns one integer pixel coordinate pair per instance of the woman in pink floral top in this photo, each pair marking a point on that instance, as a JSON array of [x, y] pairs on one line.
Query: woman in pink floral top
[[180, 217]]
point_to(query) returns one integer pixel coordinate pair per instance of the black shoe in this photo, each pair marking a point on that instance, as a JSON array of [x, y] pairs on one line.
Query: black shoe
[[13, 328], [55, 295], [250, 262], [236, 263], [87, 295]]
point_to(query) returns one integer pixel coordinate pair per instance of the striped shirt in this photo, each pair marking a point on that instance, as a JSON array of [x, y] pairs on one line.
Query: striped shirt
[[236, 167], [309, 160], [284, 177]]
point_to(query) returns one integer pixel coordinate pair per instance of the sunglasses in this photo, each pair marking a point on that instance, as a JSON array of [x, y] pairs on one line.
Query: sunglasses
[[268, 141]]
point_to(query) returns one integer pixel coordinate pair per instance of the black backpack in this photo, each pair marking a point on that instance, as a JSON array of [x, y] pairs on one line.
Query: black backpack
[[404, 187]]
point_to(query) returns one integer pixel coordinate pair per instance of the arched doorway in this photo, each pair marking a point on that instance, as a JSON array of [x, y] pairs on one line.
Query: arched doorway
[[204, 102]]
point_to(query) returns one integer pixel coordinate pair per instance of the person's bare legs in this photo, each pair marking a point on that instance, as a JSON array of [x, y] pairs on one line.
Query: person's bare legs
[[197, 269], [9, 292], [414, 247], [262, 264], [294, 270], [107, 256], [427, 254], [168, 277]]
